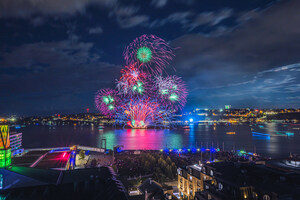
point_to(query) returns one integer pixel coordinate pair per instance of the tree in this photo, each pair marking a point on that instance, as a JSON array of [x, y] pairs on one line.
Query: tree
[[169, 161], [169, 172], [147, 166], [174, 168]]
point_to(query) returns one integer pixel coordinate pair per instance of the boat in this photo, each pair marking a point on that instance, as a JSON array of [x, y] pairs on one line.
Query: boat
[[289, 134], [285, 133], [100, 127], [230, 133], [261, 135]]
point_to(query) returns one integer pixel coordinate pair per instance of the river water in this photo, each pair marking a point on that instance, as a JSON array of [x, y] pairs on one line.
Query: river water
[[276, 145]]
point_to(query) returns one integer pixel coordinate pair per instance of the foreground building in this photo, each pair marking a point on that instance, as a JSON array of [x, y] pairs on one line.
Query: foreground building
[[16, 143], [270, 180], [190, 180], [33, 183]]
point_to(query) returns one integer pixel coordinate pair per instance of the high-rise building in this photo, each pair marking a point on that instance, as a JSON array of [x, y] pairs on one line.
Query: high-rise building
[[5, 150], [16, 143]]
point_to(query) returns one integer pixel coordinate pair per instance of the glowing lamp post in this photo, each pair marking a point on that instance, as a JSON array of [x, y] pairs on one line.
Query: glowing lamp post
[[5, 150]]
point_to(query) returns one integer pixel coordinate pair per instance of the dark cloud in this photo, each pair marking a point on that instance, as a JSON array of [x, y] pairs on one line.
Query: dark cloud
[[159, 3], [270, 88], [244, 54], [55, 74], [96, 30], [127, 17], [211, 18], [265, 42], [178, 17], [190, 20], [27, 8]]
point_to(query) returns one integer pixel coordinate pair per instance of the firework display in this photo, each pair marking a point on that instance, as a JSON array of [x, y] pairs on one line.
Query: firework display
[[151, 51], [133, 81], [143, 96], [172, 91], [142, 112], [107, 102]]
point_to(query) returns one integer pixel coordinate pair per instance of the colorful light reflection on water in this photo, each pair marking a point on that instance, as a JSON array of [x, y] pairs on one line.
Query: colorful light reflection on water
[[192, 136], [141, 139]]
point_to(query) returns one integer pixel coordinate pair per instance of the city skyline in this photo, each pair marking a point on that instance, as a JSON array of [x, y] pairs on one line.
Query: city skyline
[[54, 56]]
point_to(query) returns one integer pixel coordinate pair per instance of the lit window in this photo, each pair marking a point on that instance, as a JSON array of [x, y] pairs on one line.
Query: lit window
[[211, 172], [198, 183], [220, 186], [255, 196], [266, 197]]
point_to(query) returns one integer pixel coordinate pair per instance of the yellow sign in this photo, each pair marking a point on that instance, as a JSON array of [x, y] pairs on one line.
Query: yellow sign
[[4, 137]]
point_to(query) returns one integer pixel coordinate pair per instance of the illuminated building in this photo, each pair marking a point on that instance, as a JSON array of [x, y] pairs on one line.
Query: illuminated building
[[5, 150], [268, 180], [16, 143], [190, 181]]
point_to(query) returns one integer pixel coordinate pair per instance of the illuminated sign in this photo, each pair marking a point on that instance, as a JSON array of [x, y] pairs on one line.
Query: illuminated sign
[[5, 151], [227, 107]]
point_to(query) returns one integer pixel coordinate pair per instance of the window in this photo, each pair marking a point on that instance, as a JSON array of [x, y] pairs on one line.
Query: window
[[179, 172], [266, 197], [255, 196], [211, 172], [220, 186]]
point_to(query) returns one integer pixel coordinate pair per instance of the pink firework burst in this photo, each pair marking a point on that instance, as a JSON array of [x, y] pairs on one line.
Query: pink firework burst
[[133, 81], [172, 91], [152, 52], [107, 102], [142, 112]]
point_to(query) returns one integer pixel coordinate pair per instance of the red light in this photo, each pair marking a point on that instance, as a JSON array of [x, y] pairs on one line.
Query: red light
[[87, 110]]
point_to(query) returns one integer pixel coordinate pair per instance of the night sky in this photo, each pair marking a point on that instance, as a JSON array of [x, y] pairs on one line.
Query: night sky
[[55, 54]]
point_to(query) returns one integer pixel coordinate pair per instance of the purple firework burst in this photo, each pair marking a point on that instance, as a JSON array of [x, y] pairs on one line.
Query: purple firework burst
[[151, 51], [172, 91], [107, 102]]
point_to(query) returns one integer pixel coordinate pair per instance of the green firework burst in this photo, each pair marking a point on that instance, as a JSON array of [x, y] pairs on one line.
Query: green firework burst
[[144, 54]]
